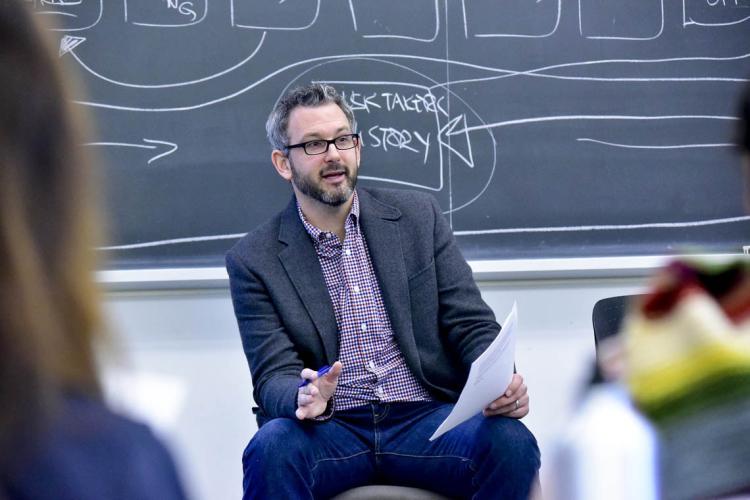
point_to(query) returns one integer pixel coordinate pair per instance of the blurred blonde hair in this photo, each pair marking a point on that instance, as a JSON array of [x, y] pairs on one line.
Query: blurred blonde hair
[[49, 306]]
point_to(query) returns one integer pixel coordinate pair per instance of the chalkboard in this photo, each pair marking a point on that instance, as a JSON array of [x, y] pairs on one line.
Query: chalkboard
[[545, 128]]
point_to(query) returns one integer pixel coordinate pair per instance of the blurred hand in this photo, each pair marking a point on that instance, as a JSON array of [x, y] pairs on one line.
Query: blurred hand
[[312, 399], [513, 403]]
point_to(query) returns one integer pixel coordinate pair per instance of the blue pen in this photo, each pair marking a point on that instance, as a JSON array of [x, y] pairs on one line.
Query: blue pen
[[322, 371]]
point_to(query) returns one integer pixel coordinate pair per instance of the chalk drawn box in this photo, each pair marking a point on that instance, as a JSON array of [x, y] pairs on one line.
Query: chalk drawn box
[[71, 15], [621, 19], [511, 18], [413, 20], [715, 12], [274, 15]]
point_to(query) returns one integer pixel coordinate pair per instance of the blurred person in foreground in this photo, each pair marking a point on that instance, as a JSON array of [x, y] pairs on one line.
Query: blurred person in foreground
[[685, 359], [57, 438]]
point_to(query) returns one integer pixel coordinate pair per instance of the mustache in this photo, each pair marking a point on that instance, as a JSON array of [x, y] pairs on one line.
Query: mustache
[[336, 168]]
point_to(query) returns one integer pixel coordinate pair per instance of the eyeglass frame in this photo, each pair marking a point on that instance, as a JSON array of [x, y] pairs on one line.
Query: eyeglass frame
[[354, 136]]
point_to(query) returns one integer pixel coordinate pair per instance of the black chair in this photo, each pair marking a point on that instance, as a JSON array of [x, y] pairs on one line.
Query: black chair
[[608, 315]]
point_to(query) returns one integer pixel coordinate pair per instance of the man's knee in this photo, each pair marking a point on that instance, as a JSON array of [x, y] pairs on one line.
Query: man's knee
[[510, 439], [275, 456], [276, 441]]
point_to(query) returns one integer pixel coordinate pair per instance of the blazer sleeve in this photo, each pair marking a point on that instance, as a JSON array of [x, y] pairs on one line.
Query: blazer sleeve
[[464, 318], [274, 362]]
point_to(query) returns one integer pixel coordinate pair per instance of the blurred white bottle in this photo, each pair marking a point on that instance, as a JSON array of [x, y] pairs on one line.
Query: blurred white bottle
[[608, 451]]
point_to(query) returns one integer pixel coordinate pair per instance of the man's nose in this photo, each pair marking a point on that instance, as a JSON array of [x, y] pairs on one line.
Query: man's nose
[[332, 154]]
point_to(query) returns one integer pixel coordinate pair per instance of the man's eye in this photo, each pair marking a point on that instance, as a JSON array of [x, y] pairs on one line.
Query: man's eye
[[316, 144]]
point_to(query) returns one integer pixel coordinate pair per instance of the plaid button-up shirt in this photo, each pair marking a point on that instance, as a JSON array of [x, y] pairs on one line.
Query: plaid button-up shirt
[[374, 368]]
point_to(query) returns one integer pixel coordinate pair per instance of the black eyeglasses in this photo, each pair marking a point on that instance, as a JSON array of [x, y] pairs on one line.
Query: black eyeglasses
[[320, 146]]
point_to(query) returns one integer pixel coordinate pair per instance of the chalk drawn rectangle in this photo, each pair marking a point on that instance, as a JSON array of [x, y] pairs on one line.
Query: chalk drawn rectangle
[[400, 125], [621, 19], [274, 15], [71, 15], [511, 18], [396, 19], [715, 12]]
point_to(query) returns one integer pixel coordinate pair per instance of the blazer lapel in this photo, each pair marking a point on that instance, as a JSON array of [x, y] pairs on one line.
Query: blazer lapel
[[379, 223], [302, 266]]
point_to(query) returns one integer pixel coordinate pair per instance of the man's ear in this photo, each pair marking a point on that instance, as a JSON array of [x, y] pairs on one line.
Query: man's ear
[[281, 164]]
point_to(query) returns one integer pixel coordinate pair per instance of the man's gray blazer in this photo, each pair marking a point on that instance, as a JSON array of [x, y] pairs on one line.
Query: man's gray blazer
[[286, 318]]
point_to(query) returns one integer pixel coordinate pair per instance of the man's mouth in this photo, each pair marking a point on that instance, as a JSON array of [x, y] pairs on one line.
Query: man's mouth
[[333, 175]]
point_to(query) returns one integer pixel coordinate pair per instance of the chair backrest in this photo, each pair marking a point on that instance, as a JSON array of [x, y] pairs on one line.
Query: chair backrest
[[608, 315], [387, 492]]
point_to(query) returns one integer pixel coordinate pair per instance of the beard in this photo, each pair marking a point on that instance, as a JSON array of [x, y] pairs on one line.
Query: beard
[[330, 195]]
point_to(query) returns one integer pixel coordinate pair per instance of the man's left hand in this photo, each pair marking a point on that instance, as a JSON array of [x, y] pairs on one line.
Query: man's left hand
[[513, 403]]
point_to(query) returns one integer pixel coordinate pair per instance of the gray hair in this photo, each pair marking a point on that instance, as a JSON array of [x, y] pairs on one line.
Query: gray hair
[[311, 95]]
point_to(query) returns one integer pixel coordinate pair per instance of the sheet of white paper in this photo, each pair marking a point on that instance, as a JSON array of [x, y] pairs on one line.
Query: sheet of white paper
[[489, 376]]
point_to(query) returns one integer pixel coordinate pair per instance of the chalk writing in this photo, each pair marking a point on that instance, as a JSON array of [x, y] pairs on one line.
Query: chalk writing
[[165, 13], [396, 101], [715, 12]]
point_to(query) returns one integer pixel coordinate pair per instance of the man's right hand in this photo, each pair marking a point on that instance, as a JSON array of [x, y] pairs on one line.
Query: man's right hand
[[312, 399]]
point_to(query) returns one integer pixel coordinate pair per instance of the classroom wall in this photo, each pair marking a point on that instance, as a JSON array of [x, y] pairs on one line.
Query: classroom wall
[[181, 366]]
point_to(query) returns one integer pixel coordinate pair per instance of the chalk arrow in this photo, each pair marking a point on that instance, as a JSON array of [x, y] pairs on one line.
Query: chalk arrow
[[170, 147], [455, 137], [68, 43]]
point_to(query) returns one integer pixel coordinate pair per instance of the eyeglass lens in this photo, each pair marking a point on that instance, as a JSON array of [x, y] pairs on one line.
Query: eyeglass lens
[[321, 146]]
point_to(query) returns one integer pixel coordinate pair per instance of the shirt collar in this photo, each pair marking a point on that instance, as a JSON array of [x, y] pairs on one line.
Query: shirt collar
[[319, 236]]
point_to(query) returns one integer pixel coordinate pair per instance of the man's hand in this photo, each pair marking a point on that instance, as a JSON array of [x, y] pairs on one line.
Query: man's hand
[[513, 403], [312, 399]]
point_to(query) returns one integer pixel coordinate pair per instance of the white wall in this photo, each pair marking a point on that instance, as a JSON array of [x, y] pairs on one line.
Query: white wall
[[184, 347]]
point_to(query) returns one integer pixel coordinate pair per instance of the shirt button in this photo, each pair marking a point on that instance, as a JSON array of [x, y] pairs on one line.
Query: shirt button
[[371, 366], [363, 327], [348, 251], [356, 289], [380, 392]]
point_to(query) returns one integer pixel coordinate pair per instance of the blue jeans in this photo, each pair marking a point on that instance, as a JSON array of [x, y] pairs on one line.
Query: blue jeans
[[388, 443]]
